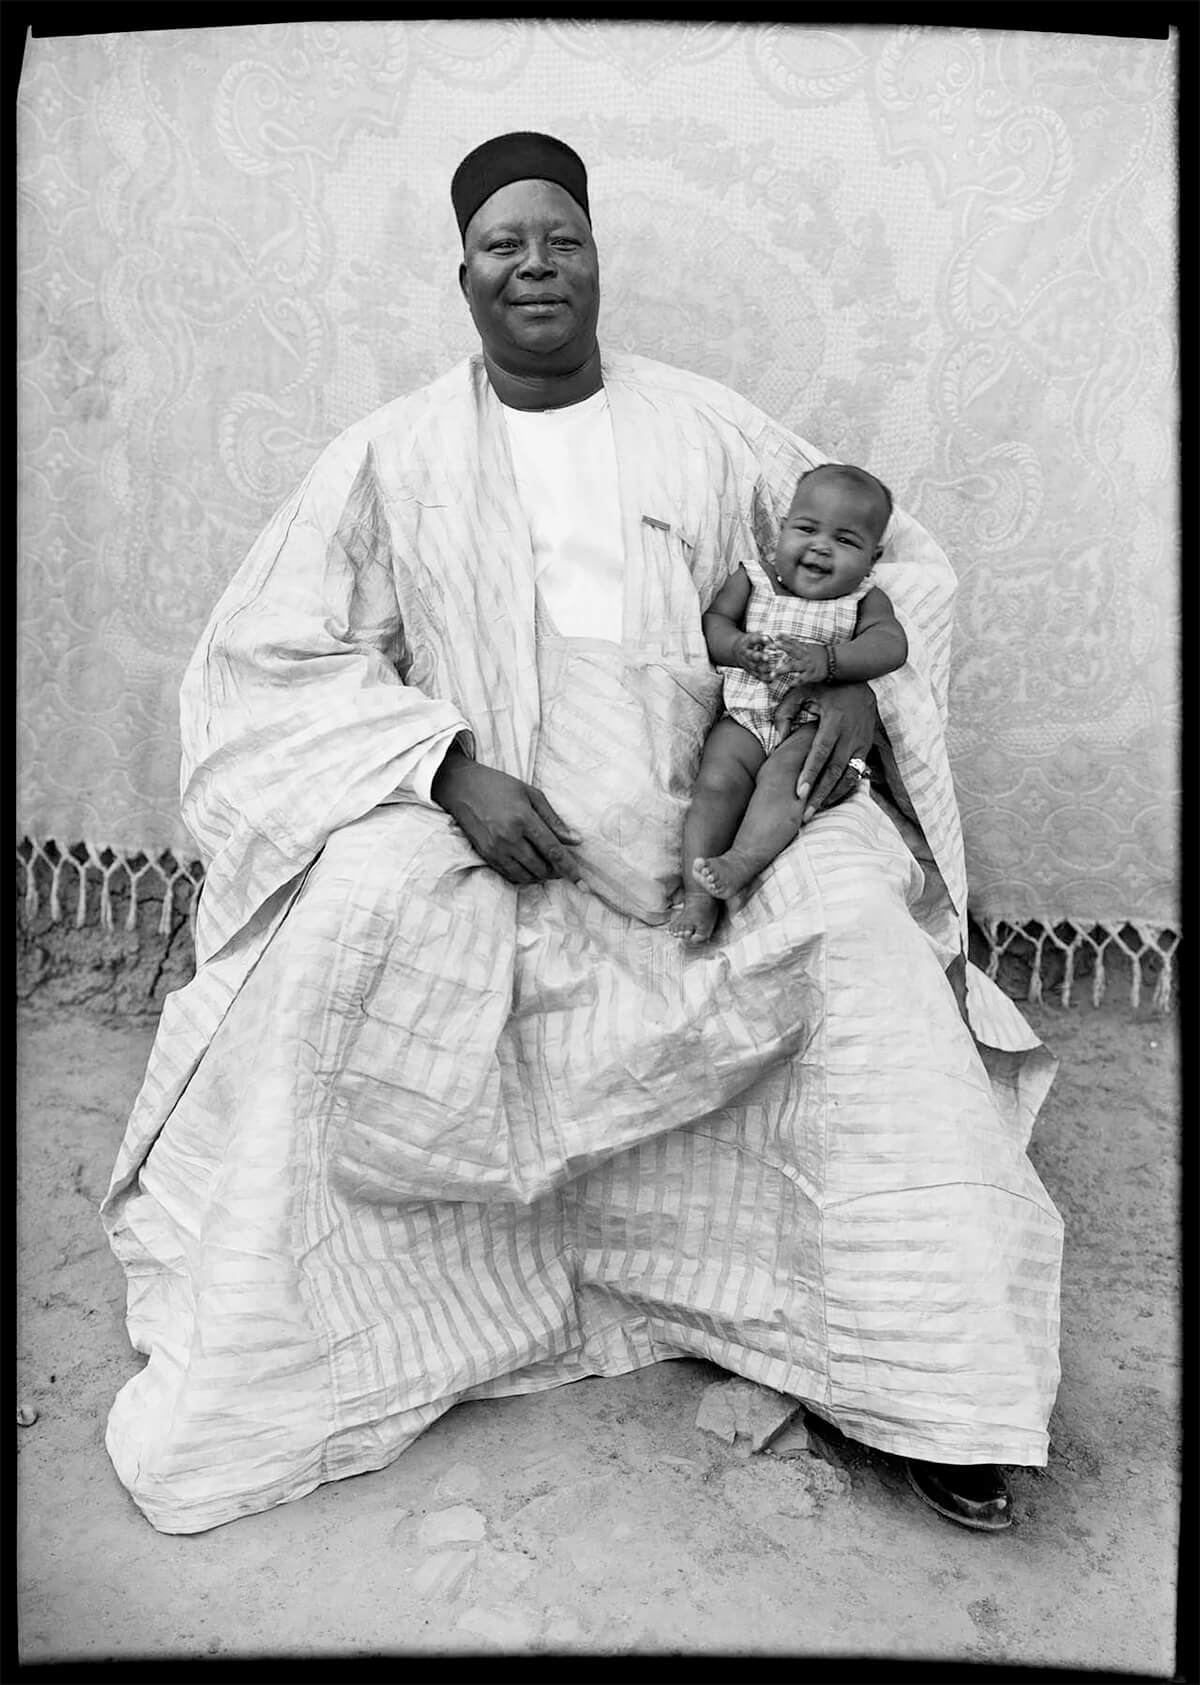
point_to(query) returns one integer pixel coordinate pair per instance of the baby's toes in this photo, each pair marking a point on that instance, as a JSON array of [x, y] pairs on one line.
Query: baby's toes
[[706, 877]]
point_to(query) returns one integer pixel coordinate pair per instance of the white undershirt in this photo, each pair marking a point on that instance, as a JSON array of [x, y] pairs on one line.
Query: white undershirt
[[565, 464]]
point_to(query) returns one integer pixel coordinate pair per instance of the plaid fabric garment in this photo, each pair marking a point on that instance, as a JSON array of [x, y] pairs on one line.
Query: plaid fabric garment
[[752, 702]]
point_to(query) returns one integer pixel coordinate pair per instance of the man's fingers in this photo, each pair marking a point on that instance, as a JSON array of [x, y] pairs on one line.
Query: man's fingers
[[545, 812], [516, 858], [540, 857], [561, 861], [548, 834], [510, 866], [824, 788], [543, 837], [831, 769], [814, 766]]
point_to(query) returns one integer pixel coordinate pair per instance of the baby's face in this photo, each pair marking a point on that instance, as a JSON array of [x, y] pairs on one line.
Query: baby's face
[[830, 538]]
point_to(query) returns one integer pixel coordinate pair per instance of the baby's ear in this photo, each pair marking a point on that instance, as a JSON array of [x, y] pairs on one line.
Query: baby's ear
[[877, 553]]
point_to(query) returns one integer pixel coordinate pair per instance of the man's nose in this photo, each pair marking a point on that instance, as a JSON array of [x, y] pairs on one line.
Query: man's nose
[[537, 259]]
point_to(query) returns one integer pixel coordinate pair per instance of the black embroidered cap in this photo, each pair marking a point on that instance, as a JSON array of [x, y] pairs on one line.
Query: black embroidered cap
[[522, 156]]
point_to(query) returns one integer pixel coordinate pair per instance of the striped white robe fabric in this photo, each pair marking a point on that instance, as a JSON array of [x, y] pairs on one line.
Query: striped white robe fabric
[[413, 1135]]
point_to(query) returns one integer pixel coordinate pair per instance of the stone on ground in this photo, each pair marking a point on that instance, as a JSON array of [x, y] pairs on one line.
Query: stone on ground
[[792, 1442], [744, 1414], [443, 1575], [458, 1525], [460, 1480]]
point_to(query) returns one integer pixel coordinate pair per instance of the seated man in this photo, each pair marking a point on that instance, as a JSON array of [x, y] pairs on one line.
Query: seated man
[[446, 1112]]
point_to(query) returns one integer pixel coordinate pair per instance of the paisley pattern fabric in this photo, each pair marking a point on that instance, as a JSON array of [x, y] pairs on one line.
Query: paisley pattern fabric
[[947, 254]]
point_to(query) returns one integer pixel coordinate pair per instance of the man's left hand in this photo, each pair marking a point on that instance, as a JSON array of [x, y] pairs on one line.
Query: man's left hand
[[846, 729]]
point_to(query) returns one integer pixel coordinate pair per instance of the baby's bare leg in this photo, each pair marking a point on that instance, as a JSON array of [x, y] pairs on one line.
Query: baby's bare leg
[[771, 822], [724, 785]]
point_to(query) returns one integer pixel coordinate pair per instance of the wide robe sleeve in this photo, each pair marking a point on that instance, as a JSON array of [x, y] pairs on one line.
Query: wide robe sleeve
[[294, 717]]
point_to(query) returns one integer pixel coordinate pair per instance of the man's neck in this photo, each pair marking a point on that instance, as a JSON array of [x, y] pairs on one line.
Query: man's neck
[[545, 392]]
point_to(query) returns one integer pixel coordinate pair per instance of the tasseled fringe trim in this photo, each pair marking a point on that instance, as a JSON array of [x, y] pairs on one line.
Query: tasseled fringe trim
[[1030, 941], [84, 858], [1072, 940]]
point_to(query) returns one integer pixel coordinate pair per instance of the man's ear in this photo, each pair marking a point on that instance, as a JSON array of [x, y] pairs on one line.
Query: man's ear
[[462, 279]]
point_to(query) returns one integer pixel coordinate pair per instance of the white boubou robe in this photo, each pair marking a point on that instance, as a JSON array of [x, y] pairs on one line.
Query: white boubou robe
[[413, 1135]]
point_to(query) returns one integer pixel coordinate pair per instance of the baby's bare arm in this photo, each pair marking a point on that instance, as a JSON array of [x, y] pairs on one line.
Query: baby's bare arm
[[878, 646], [722, 620], [728, 645]]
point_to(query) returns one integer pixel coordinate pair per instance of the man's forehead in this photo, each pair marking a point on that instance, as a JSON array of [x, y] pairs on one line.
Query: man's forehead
[[525, 200]]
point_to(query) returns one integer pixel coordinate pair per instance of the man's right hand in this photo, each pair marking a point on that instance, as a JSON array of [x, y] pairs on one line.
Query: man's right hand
[[510, 825]]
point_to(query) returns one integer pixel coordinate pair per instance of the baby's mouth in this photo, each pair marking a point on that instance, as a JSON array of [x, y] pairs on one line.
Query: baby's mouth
[[821, 569]]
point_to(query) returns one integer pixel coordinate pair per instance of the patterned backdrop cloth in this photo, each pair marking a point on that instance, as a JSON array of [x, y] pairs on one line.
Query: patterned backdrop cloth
[[945, 253]]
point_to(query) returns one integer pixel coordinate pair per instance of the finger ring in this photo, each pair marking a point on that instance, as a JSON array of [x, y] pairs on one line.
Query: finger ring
[[857, 764]]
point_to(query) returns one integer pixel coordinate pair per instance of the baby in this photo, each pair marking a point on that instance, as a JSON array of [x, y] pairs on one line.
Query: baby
[[819, 589]]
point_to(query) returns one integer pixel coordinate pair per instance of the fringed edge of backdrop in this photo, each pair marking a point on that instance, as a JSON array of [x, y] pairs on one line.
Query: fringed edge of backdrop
[[105, 872], [69, 868], [1066, 942]]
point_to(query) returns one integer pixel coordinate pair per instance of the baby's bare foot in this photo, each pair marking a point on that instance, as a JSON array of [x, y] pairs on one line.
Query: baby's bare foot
[[722, 875], [693, 921]]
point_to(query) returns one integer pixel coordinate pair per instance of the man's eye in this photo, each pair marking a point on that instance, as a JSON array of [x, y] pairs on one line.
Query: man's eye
[[565, 245], [502, 245]]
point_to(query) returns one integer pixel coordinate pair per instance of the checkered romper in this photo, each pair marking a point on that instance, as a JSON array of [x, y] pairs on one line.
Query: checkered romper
[[750, 701]]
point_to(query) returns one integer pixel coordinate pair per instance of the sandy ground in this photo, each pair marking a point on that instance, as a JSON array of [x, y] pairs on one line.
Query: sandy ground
[[597, 1518]]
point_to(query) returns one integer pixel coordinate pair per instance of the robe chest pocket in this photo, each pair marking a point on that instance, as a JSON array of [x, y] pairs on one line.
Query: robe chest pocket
[[665, 612]]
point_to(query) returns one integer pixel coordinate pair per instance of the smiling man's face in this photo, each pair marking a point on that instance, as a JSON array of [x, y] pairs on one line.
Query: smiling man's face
[[531, 278]]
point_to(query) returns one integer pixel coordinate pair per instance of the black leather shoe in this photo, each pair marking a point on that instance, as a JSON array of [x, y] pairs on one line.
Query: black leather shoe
[[975, 1495]]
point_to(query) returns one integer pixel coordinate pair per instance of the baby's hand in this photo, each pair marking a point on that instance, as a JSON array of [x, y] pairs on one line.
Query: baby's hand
[[757, 654], [806, 661]]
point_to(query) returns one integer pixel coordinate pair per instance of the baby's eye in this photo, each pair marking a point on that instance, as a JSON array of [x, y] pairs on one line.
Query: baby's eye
[[849, 539]]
